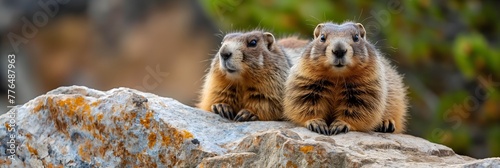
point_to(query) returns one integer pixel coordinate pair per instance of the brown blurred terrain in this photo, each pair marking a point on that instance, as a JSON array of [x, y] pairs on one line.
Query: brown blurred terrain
[[448, 51], [155, 46]]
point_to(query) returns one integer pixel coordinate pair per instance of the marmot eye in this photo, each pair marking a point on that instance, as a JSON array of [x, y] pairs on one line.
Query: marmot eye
[[252, 43], [355, 38], [322, 38]]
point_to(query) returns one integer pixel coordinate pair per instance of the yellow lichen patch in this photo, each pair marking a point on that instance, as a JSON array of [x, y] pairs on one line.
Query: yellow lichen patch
[[306, 149], [119, 150], [55, 116], [91, 118], [97, 135], [163, 157], [5, 162], [7, 126], [321, 152], [80, 101], [32, 150], [29, 136], [87, 127], [99, 117], [93, 126], [144, 161], [145, 121], [152, 140], [74, 105], [130, 116], [84, 151], [291, 164], [239, 160], [63, 110], [38, 107], [102, 150], [49, 165], [186, 134], [173, 159], [96, 103], [165, 140]]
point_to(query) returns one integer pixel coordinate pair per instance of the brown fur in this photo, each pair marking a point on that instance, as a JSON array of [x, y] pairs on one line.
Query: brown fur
[[293, 42], [293, 47], [364, 94], [257, 88]]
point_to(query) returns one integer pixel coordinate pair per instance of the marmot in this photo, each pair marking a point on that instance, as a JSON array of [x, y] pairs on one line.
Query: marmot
[[246, 80], [343, 81]]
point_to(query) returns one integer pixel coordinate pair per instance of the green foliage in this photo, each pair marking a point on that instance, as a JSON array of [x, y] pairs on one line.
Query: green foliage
[[473, 55], [493, 139]]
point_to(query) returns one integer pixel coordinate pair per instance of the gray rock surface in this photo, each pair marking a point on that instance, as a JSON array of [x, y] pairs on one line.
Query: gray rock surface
[[81, 127]]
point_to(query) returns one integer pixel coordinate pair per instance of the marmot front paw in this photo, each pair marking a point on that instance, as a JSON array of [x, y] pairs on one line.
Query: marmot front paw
[[338, 126], [318, 125], [245, 115], [224, 110], [387, 126]]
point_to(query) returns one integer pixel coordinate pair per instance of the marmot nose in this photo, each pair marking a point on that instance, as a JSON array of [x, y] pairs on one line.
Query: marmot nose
[[339, 53], [226, 55]]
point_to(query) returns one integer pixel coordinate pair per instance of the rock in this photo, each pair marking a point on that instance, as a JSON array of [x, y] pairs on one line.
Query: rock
[[81, 127]]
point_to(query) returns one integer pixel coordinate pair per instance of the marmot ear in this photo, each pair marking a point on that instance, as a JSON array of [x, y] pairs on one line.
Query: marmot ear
[[362, 30], [270, 39], [317, 30]]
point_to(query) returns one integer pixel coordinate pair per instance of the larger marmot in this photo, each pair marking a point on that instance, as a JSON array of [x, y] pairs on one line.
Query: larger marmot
[[342, 83], [246, 81]]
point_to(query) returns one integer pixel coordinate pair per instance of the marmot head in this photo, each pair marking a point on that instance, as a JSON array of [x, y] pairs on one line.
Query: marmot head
[[340, 47], [242, 52]]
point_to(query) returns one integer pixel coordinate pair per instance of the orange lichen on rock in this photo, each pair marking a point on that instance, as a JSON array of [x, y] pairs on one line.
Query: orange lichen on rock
[[97, 135], [291, 164], [145, 161], [74, 105], [173, 137], [119, 150], [102, 150], [152, 140], [28, 136], [239, 160], [129, 116], [165, 139], [5, 162], [69, 108], [99, 117], [147, 119], [7, 126], [32, 150], [95, 103], [38, 107], [84, 151], [186, 134], [306, 149]]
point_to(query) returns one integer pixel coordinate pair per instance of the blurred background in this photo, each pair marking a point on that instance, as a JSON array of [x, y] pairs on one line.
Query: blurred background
[[448, 51]]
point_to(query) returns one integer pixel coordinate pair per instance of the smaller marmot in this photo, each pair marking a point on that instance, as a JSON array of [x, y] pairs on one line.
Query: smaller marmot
[[342, 83], [246, 80]]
